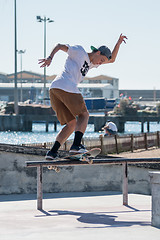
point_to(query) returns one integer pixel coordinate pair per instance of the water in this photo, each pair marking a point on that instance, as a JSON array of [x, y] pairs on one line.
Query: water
[[38, 135]]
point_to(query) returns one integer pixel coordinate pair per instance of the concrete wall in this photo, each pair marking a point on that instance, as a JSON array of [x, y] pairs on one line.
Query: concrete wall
[[16, 178], [155, 189]]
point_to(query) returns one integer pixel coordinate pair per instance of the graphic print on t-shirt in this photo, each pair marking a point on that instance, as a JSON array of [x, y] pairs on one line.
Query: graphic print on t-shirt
[[84, 69]]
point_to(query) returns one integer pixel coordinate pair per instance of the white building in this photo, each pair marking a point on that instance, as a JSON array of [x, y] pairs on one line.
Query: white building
[[32, 87], [100, 86]]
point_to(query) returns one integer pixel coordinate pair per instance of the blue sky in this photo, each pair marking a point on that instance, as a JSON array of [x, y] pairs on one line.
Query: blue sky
[[86, 23]]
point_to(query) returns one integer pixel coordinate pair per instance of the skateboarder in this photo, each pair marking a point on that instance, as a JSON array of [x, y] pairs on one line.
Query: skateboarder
[[66, 100]]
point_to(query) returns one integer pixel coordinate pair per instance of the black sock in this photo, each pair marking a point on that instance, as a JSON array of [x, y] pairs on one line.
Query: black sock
[[77, 138], [55, 147]]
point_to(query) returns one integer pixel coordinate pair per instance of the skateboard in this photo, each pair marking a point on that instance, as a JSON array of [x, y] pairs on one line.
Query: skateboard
[[85, 157]]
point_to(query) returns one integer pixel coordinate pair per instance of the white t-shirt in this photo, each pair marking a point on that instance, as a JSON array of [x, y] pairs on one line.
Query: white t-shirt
[[112, 126], [76, 67]]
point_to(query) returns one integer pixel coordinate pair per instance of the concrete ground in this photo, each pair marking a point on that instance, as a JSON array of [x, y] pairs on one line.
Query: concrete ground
[[98, 215], [140, 153]]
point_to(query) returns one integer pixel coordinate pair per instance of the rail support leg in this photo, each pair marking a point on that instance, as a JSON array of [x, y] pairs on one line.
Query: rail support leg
[[39, 187], [46, 126], [125, 184]]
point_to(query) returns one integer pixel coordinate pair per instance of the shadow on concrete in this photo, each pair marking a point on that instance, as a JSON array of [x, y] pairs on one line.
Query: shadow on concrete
[[26, 197], [17, 197], [105, 219]]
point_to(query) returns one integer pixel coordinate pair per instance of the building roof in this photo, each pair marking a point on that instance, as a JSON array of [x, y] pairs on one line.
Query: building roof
[[95, 85], [3, 74], [100, 77], [33, 75], [41, 85], [26, 75], [24, 85]]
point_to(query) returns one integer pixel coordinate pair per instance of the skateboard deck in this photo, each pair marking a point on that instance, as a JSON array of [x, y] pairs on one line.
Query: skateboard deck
[[86, 157]]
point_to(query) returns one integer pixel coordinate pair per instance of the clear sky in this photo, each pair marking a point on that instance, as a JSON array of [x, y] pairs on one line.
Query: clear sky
[[86, 22]]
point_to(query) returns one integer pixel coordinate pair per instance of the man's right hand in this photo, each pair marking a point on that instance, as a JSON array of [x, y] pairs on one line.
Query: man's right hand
[[45, 62]]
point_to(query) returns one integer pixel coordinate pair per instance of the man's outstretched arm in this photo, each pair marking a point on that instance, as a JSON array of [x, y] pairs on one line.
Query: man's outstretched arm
[[47, 61], [121, 39]]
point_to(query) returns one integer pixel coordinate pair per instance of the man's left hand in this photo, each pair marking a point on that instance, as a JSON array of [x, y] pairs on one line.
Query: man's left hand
[[122, 38]]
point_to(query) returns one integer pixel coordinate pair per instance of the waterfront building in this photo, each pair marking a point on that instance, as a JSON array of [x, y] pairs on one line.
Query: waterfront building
[[31, 85]]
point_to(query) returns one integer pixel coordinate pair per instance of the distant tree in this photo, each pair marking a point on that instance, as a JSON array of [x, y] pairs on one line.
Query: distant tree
[[125, 107]]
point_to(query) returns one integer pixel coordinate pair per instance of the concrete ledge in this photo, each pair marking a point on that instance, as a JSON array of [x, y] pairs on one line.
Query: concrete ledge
[[16, 178], [155, 191], [155, 177]]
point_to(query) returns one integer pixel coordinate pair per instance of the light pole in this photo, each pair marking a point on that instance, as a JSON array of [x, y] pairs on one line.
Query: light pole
[[15, 64], [21, 52], [44, 19]]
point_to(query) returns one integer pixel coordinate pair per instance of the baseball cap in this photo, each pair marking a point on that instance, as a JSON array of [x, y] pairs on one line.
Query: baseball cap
[[104, 51]]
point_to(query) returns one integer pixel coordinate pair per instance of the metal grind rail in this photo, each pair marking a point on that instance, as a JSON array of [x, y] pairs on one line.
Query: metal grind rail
[[124, 161]]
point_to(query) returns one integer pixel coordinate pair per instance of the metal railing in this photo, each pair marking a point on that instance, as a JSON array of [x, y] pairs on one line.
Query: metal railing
[[124, 161]]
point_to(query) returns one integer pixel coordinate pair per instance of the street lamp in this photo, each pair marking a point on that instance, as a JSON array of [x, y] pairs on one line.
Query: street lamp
[[15, 64], [40, 19], [21, 52]]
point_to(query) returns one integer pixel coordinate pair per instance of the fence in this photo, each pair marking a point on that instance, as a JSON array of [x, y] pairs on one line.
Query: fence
[[112, 144]]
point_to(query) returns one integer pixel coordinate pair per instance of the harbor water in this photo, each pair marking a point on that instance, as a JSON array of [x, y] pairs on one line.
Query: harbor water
[[38, 134]]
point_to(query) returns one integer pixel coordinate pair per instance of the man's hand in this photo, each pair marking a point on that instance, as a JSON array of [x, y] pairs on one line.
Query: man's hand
[[45, 62], [122, 39]]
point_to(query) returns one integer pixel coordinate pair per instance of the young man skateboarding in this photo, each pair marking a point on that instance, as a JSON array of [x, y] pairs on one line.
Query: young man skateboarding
[[65, 97]]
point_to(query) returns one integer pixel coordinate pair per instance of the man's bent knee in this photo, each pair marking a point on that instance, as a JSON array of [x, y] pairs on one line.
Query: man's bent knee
[[71, 124], [84, 115]]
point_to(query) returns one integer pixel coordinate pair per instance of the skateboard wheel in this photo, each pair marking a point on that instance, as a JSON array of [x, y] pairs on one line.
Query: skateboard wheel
[[57, 169], [90, 161], [83, 158]]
